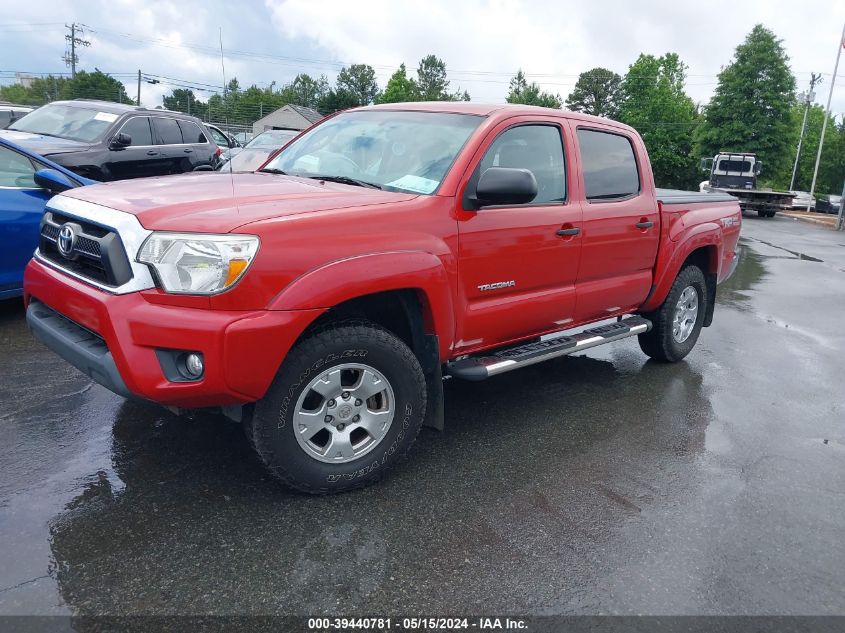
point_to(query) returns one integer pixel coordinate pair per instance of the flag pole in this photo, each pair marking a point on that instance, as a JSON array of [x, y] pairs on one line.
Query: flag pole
[[826, 117]]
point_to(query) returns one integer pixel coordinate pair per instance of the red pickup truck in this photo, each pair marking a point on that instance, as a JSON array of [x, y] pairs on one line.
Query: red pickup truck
[[323, 299]]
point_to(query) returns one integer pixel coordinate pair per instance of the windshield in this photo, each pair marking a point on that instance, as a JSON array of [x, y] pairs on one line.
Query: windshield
[[275, 138], [733, 165], [71, 122], [399, 151], [249, 159]]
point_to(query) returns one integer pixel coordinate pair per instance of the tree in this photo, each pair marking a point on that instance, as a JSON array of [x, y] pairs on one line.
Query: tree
[[184, 100], [399, 88], [753, 108], [596, 92], [832, 165], [305, 91], [337, 99], [654, 103], [38, 91], [431, 79], [96, 85], [358, 80], [529, 93], [432, 84]]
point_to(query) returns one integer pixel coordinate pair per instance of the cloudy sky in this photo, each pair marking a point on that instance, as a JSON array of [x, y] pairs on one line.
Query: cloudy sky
[[482, 41]]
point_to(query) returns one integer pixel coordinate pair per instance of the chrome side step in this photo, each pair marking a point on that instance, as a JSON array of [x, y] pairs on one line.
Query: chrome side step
[[481, 367]]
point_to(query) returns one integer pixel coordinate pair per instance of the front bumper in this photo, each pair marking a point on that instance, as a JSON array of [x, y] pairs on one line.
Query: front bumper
[[114, 339]]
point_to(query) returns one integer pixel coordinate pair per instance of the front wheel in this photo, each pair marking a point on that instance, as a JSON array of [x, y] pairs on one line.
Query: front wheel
[[346, 406], [677, 323]]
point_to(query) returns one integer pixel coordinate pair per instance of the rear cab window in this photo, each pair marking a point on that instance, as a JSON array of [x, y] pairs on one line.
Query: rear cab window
[[609, 165]]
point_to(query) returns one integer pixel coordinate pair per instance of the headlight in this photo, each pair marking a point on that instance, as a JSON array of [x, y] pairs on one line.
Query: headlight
[[197, 263]]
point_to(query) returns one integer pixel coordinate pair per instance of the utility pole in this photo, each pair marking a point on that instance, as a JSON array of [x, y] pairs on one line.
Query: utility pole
[[826, 115], [72, 58], [139, 93], [809, 97]]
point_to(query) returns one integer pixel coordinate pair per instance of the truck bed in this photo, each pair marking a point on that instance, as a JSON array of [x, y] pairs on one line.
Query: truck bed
[[677, 196]]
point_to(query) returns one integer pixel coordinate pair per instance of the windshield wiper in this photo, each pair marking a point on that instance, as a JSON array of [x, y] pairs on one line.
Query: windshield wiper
[[346, 180], [271, 170]]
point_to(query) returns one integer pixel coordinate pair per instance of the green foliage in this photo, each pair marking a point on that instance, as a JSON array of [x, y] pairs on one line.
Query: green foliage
[[95, 85], [42, 90], [85, 85], [529, 93], [655, 104], [338, 99], [432, 84], [596, 92], [832, 165], [306, 91], [753, 108], [358, 80], [400, 88]]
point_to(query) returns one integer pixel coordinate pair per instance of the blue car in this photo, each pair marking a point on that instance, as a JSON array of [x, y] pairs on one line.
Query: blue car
[[27, 181]]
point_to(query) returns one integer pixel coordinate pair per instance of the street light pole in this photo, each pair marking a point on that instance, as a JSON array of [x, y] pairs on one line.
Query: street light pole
[[826, 116], [808, 98]]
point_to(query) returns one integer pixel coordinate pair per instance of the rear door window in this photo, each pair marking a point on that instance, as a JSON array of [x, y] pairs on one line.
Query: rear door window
[[138, 129], [609, 165], [167, 131], [191, 132]]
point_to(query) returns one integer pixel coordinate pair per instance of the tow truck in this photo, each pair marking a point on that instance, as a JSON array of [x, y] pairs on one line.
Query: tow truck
[[736, 173]]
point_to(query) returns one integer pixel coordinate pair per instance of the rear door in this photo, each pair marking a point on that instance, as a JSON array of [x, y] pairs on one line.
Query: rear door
[[141, 157], [621, 224], [21, 208], [168, 137], [517, 267], [198, 148]]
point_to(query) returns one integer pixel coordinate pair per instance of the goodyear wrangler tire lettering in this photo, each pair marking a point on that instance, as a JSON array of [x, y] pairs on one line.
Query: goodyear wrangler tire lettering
[[294, 425]]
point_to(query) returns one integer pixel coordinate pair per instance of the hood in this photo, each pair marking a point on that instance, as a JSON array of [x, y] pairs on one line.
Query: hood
[[204, 201], [44, 145]]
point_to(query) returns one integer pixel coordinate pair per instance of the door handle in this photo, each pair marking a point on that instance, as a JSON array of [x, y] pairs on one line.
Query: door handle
[[152, 153], [645, 225], [187, 151], [568, 232]]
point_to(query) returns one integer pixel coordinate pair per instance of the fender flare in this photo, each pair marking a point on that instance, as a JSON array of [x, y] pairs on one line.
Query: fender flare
[[706, 235], [361, 275]]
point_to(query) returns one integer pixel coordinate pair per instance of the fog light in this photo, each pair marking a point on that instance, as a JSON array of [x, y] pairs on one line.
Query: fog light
[[194, 364]]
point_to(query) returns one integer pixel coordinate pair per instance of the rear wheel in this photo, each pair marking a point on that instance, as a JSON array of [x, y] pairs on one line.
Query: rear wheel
[[346, 406], [677, 323]]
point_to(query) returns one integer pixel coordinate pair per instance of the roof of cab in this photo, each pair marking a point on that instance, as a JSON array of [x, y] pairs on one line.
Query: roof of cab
[[502, 110]]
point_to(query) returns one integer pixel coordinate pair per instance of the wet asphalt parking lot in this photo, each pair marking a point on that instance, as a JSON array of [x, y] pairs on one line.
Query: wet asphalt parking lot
[[602, 483]]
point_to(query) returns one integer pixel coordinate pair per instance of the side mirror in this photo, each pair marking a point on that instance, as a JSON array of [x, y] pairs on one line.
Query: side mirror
[[121, 140], [53, 181], [758, 167], [233, 143], [706, 164], [505, 185]]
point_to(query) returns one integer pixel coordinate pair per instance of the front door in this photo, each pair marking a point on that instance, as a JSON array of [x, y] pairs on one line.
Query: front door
[[141, 157], [21, 207], [621, 225], [518, 263]]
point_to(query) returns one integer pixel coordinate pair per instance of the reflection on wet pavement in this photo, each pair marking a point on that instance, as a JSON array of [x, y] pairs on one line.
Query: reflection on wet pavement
[[592, 484]]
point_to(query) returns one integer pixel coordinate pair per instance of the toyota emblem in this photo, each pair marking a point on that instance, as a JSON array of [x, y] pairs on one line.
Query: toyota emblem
[[67, 240]]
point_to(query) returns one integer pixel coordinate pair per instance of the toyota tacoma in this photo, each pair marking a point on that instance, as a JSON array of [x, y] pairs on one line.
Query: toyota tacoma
[[322, 300]]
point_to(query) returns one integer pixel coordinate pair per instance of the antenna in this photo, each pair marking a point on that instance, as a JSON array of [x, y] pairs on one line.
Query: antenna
[[226, 109]]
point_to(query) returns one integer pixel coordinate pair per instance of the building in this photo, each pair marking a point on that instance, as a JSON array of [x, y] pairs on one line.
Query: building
[[288, 117]]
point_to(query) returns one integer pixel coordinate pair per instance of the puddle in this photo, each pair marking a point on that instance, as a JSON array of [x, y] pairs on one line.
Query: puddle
[[796, 254]]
